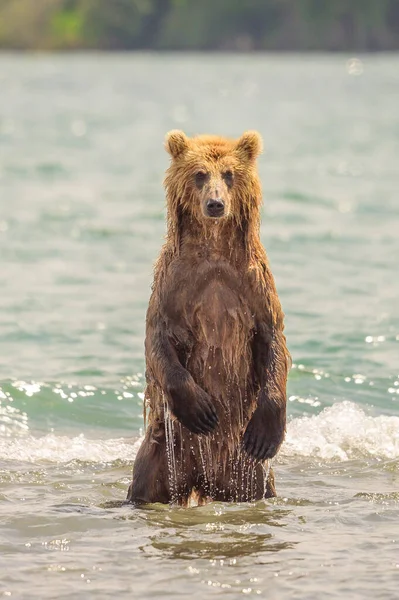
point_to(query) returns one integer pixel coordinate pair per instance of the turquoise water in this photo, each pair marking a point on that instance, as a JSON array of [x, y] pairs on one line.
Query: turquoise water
[[81, 223]]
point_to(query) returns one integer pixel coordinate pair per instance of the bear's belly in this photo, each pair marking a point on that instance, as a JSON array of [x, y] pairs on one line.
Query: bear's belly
[[220, 356]]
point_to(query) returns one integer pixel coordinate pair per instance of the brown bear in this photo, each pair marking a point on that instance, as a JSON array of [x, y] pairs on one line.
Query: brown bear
[[216, 355]]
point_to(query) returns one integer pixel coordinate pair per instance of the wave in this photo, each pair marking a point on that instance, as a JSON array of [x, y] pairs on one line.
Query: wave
[[341, 432], [63, 449]]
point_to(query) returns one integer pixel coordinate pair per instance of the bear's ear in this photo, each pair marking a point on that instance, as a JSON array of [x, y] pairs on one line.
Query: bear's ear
[[250, 145], [176, 143]]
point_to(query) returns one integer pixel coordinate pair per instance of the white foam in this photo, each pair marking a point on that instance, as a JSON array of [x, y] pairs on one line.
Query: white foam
[[64, 449], [343, 432]]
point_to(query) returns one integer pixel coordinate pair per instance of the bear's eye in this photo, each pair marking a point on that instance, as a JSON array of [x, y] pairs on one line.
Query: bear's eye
[[200, 178], [228, 177]]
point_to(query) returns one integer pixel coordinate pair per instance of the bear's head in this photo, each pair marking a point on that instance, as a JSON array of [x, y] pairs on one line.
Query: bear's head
[[213, 179]]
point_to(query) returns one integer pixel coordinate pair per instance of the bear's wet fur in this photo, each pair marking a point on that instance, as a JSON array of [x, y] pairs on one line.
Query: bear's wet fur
[[216, 355]]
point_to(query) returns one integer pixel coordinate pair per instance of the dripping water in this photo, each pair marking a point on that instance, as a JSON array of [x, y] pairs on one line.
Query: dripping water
[[254, 482], [249, 475], [203, 462], [212, 469], [243, 470], [170, 452], [266, 466], [181, 447]]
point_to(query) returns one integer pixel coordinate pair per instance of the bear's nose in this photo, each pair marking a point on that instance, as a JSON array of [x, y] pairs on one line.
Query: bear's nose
[[215, 207]]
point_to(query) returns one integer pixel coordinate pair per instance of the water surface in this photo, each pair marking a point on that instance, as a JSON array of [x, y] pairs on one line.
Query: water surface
[[81, 223]]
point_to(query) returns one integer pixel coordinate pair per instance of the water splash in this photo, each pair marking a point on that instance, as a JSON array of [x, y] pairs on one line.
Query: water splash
[[342, 432], [61, 449]]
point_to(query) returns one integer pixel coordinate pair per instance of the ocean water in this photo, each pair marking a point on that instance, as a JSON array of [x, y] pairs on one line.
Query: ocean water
[[81, 223]]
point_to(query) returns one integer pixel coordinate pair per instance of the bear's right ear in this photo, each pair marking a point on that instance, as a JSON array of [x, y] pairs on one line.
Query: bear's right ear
[[176, 143]]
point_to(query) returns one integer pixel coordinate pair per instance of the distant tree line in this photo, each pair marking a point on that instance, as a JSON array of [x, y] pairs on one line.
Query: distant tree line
[[350, 25]]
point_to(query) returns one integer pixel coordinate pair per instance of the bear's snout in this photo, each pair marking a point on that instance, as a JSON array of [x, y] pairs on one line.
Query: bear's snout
[[215, 207]]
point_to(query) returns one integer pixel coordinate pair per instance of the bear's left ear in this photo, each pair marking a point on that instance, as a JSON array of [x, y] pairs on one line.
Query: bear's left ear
[[250, 145], [176, 142]]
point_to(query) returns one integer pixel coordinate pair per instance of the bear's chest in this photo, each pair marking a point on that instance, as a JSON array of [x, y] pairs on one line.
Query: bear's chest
[[221, 315], [213, 303]]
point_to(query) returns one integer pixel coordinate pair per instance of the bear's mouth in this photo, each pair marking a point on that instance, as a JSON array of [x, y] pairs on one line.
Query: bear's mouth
[[215, 208]]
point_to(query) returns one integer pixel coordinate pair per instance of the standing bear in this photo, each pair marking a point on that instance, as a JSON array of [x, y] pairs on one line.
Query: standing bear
[[216, 355]]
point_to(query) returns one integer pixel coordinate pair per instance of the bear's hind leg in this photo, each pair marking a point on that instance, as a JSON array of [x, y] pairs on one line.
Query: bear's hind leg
[[150, 472]]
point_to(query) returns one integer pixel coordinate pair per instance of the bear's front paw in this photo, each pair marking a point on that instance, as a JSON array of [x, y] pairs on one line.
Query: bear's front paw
[[263, 436], [197, 413]]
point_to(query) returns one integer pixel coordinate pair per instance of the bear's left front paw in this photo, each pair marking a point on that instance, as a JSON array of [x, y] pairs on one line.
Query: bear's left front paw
[[263, 437]]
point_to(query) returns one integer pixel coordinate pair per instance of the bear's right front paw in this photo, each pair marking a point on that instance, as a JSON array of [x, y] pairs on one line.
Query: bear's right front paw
[[196, 412]]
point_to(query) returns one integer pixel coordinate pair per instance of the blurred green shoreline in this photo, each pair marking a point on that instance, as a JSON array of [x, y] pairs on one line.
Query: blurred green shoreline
[[216, 25]]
